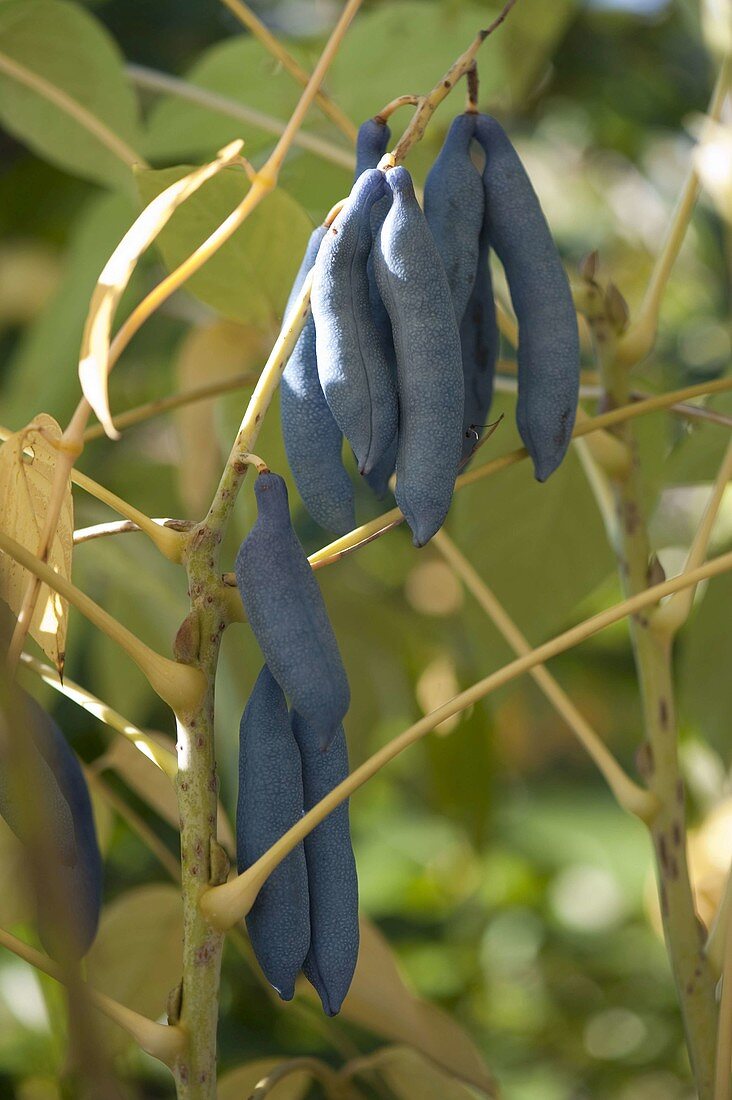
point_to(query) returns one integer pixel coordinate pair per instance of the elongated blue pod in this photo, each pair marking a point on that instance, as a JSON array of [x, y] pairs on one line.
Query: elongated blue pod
[[548, 351], [479, 339], [355, 373], [412, 282], [332, 880], [269, 803], [371, 144], [286, 611], [453, 206], [62, 796], [313, 440]]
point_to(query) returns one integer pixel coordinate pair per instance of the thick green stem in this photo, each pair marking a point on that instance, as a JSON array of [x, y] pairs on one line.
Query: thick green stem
[[658, 757], [195, 1005]]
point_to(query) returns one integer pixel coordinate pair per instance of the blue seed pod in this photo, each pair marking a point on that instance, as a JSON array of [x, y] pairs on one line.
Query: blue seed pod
[[548, 352], [332, 881], [479, 338], [269, 803], [355, 373], [413, 284], [287, 614], [313, 440], [373, 138], [453, 206], [62, 793], [378, 478]]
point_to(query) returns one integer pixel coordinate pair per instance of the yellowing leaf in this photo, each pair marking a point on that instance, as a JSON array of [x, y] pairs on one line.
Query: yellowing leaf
[[241, 1082], [212, 352], [94, 359], [380, 1001], [409, 1074], [138, 954], [27, 464]]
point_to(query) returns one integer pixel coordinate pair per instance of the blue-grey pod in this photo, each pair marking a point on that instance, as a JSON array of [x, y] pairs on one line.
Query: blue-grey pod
[[354, 371], [286, 611], [413, 284], [378, 478], [479, 339], [548, 352], [453, 206], [269, 803], [371, 142], [332, 881], [313, 440], [63, 794]]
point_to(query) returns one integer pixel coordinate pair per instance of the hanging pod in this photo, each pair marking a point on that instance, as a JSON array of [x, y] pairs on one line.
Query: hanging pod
[[453, 206], [270, 801], [332, 881], [413, 285], [60, 792], [479, 340], [371, 144], [548, 351], [287, 614], [313, 440], [355, 374]]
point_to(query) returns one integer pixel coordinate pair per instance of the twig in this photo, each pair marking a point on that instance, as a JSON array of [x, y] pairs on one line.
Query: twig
[[330, 109], [629, 795], [155, 81], [226, 904], [724, 1026], [394, 104]]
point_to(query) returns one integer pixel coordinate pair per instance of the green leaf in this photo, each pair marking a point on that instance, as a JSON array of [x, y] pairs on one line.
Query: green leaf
[[63, 90], [409, 1074], [404, 46], [249, 278], [47, 358], [242, 71]]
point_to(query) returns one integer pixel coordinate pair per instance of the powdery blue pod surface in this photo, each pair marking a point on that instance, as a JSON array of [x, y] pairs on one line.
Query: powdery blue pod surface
[[371, 144], [269, 803], [287, 613], [548, 352], [413, 284], [63, 799], [313, 440], [354, 370], [453, 206], [480, 340], [332, 879]]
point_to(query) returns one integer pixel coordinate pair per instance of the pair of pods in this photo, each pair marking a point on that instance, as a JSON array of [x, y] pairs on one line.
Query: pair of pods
[[287, 613], [305, 917], [65, 811], [468, 216]]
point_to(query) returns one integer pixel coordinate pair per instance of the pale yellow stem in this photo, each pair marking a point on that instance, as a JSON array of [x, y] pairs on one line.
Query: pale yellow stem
[[179, 685], [330, 109], [73, 109], [671, 616], [629, 795]]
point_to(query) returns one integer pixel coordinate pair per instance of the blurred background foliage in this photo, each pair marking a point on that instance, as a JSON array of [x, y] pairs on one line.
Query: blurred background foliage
[[514, 893]]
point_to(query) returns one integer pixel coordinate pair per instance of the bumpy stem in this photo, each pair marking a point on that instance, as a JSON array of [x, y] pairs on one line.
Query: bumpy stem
[[203, 862], [658, 757]]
